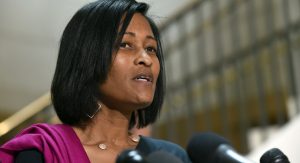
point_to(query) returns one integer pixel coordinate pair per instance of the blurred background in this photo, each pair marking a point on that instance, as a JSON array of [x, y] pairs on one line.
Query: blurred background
[[233, 68]]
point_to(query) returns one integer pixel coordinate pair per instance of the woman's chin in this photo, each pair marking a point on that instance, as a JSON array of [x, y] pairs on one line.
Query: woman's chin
[[144, 104]]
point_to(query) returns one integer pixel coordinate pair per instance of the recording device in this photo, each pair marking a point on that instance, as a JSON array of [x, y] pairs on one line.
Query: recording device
[[274, 155], [211, 148], [134, 156]]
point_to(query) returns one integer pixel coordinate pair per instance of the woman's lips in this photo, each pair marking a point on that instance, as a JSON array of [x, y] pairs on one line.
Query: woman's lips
[[144, 77]]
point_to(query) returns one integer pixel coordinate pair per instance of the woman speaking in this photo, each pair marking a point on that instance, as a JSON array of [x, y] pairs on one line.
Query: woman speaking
[[109, 77]]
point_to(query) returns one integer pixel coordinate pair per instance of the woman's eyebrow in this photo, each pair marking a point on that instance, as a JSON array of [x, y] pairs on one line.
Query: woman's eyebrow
[[133, 34], [130, 33], [151, 37]]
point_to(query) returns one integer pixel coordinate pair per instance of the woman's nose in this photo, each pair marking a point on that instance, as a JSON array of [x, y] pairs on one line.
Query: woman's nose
[[143, 58]]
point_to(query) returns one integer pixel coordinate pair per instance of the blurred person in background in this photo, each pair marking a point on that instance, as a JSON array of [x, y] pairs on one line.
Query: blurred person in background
[[109, 77]]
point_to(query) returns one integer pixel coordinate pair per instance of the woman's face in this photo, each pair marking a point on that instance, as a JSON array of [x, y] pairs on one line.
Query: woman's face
[[131, 81]]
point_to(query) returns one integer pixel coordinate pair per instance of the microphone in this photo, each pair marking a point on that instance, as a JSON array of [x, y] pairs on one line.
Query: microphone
[[274, 155], [131, 156], [162, 157], [134, 156], [211, 148]]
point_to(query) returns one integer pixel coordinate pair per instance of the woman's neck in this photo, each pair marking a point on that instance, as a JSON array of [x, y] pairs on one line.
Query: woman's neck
[[109, 126]]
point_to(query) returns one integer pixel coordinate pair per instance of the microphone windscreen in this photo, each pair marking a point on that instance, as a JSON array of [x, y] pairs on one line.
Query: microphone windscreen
[[131, 156], [162, 157], [202, 146], [274, 155]]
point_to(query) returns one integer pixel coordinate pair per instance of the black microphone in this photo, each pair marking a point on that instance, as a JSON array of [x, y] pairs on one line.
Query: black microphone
[[162, 157], [134, 156], [131, 156], [211, 148], [274, 155]]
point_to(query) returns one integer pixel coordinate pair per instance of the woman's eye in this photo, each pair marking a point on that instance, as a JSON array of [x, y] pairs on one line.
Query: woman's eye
[[151, 50], [124, 45]]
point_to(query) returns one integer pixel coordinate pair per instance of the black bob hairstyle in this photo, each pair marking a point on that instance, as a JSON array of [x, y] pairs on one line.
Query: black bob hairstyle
[[85, 57]]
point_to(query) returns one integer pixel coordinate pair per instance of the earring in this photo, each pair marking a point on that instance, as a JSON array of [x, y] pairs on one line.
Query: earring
[[98, 109]]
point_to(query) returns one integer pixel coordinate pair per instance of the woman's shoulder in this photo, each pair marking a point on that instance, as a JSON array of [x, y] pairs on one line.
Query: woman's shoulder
[[54, 141], [46, 130], [148, 145], [36, 136], [46, 127]]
